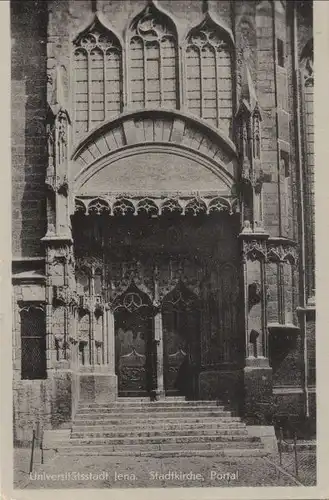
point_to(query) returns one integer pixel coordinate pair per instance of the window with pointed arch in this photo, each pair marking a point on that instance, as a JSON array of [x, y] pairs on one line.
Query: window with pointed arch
[[208, 71], [153, 61], [97, 77]]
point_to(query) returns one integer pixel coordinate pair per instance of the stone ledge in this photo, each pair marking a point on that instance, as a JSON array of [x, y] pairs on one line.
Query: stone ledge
[[266, 433]]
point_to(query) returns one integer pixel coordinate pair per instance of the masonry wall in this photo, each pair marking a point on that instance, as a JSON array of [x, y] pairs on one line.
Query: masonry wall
[[42, 33], [29, 109]]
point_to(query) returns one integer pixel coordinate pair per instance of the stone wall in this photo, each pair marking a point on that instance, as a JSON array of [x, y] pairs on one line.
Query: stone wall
[[42, 36], [29, 110]]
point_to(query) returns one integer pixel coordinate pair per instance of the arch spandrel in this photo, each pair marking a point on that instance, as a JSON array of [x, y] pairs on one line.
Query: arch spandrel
[[154, 147]]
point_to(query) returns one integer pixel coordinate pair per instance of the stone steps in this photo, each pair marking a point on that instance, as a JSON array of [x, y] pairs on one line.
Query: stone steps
[[170, 427], [164, 450], [164, 438], [148, 405], [159, 415], [155, 433], [153, 410], [149, 421], [109, 420], [162, 427]]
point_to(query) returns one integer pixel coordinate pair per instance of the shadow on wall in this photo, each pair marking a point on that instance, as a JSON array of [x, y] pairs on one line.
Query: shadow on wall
[[29, 110]]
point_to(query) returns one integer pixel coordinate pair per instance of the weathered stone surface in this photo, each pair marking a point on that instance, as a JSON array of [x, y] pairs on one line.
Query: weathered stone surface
[[160, 152]]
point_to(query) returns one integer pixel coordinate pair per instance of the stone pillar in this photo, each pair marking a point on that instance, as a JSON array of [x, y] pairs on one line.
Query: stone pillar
[[111, 340], [257, 371], [100, 385], [59, 365], [158, 336]]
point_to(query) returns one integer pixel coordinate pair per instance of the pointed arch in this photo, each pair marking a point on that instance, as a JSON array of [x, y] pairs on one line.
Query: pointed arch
[[97, 54], [180, 298], [208, 70], [132, 299], [152, 60]]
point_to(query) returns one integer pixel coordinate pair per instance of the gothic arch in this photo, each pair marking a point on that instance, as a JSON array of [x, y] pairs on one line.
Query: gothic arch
[[145, 133], [97, 57], [209, 93], [180, 297], [96, 19], [152, 41], [131, 299], [211, 21]]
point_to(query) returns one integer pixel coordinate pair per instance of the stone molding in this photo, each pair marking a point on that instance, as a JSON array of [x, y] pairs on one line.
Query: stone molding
[[258, 246], [153, 204]]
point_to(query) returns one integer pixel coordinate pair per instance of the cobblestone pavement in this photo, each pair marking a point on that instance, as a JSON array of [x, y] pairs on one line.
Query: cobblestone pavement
[[148, 472]]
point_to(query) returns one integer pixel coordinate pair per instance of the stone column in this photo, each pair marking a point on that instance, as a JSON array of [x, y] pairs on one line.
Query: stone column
[[59, 364], [257, 371], [110, 340], [101, 384], [158, 336]]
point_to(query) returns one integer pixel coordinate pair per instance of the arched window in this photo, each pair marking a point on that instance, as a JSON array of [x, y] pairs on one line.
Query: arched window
[[33, 343], [98, 77], [209, 74], [153, 60]]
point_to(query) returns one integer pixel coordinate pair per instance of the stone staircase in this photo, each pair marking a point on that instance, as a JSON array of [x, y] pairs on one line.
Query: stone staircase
[[171, 427]]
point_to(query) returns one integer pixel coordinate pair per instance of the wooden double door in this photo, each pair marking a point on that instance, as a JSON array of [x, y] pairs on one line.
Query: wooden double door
[[137, 351]]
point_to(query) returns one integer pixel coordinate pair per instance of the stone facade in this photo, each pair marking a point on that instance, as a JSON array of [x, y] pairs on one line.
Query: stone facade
[[162, 164]]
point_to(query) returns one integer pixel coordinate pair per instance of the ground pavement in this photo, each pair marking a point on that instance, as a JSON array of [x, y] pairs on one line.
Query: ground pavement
[[142, 472]]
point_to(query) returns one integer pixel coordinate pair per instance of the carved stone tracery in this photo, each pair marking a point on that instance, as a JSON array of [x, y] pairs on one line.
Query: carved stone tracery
[[154, 205]]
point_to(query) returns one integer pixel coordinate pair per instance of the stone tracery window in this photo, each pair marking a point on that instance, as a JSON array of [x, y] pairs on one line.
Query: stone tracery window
[[209, 74], [98, 77], [153, 56]]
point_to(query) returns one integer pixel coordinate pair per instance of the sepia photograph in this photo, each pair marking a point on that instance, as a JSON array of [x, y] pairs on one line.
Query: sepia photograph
[[162, 244]]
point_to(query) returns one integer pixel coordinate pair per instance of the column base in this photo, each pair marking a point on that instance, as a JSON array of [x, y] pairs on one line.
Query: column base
[[258, 395], [159, 394], [98, 387]]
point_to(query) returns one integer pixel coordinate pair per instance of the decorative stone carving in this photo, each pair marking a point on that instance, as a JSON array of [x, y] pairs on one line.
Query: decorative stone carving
[[147, 207], [157, 204], [283, 251], [254, 294], [249, 132], [254, 250], [196, 207], [57, 171], [98, 206], [60, 294]]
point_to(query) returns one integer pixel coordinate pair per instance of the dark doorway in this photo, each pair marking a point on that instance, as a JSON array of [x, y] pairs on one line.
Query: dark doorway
[[181, 342], [134, 344]]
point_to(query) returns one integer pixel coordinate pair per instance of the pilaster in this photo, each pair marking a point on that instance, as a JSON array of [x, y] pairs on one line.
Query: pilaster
[[257, 371]]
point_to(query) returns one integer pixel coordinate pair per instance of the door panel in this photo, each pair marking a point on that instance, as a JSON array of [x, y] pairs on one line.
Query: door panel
[[135, 364], [181, 350]]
